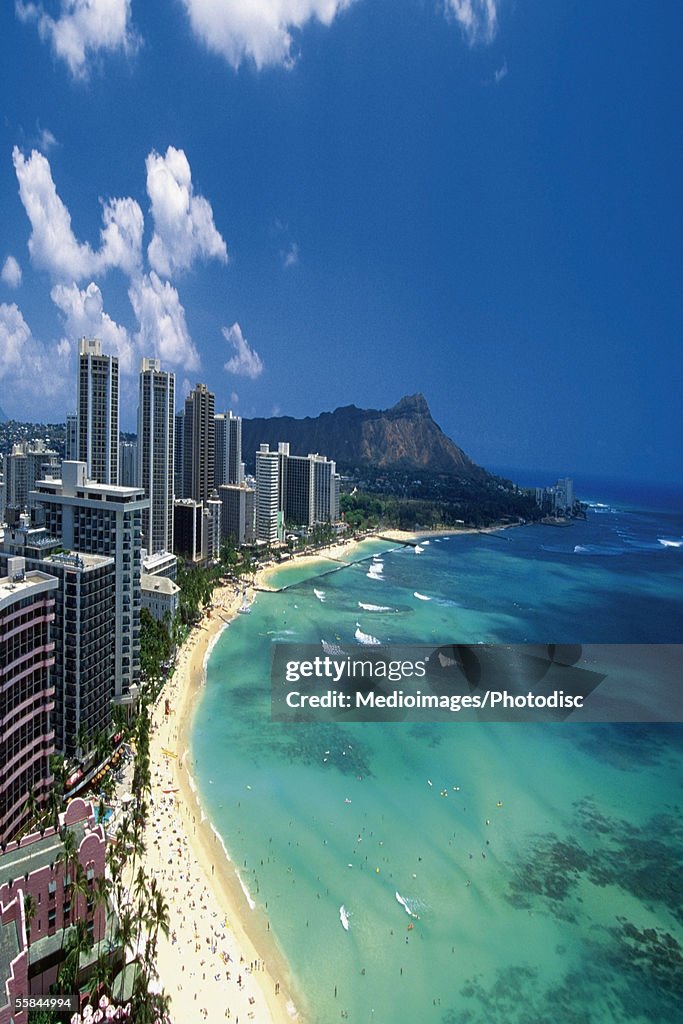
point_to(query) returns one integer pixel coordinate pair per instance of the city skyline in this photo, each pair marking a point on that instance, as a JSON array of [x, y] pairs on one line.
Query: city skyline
[[475, 201]]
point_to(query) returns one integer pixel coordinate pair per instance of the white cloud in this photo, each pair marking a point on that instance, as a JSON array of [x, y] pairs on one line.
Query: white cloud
[[11, 272], [163, 332], [234, 398], [83, 29], [290, 257], [257, 29], [46, 140], [478, 19], [183, 222], [246, 362], [53, 245], [501, 73], [26, 366], [14, 335], [85, 317], [122, 235]]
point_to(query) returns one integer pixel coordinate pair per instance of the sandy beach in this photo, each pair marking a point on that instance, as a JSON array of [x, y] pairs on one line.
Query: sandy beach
[[218, 963]]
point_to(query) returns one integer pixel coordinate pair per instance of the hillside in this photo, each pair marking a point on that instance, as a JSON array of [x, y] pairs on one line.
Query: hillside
[[403, 437]]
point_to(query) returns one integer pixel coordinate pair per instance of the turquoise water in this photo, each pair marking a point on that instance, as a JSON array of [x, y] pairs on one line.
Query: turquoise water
[[542, 864]]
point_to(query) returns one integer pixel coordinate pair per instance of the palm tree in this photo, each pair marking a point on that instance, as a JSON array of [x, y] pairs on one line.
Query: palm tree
[[54, 804], [68, 857], [81, 740], [100, 976], [79, 942], [31, 806], [79, 887], [30, 910], [101, 892], [157, 916], [124, 931]]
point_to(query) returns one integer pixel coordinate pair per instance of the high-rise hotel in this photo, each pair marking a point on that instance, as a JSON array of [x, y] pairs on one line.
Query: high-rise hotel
[[100, 519], [229, 468], [98, 412], [199, 444], [27, 610], [156, 423]]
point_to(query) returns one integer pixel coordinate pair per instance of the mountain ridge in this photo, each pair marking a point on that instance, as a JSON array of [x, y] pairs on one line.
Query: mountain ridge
[[404, 436]]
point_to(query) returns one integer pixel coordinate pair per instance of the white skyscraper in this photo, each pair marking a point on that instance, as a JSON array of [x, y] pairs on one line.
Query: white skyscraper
[[228, 442], [268, 509], [98, 411], [156, 423]]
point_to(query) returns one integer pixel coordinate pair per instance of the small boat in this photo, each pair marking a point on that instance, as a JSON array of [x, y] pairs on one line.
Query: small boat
[[344, 918]]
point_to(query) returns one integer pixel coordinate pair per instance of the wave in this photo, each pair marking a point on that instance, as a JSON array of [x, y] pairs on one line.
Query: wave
[[421, 597], [446, 602], [365, 638], [375, 574], [320, 594], [598, 549], [665, 542], [375, 607], [407, 904], [418, 550], [219, 837], [247, 894]]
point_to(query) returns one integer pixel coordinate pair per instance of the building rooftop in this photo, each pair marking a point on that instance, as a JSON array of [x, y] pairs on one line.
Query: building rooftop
[[9, 949], [39, 853], [158, 584], [152, 562], [80, 560], [12, 590]]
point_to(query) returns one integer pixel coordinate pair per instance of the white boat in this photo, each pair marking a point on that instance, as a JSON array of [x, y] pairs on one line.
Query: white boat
[[344, 918]]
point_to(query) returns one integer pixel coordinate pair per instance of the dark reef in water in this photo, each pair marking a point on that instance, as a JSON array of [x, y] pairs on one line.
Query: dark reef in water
[[635, 975], [645, 862], [628, 971], [325, 745], [629, 746]]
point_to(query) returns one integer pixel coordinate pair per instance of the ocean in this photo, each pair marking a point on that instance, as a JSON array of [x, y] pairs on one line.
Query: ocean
[[538, 866]]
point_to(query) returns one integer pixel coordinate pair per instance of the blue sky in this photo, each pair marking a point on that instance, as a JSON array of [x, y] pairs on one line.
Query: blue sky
[[312, 203]]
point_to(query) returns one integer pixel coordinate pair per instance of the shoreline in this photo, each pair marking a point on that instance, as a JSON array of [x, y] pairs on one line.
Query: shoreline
[[236, 968], [231, 967]]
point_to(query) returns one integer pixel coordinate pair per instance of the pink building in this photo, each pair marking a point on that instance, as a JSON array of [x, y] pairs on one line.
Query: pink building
[[32, 867], [26, 693]]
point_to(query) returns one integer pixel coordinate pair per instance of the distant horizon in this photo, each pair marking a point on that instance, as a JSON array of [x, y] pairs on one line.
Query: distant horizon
[[524, 475]]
